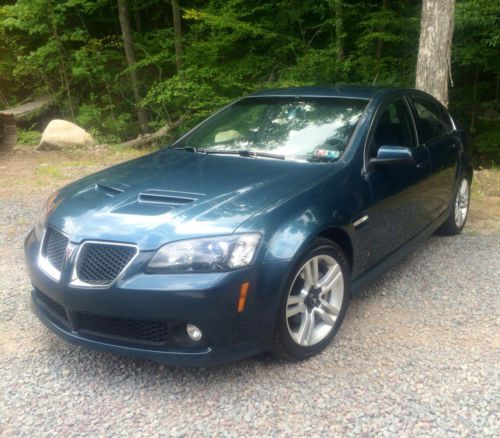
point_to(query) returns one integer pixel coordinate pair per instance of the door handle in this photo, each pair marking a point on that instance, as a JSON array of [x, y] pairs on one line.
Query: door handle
[[454, 147], [423, 165]]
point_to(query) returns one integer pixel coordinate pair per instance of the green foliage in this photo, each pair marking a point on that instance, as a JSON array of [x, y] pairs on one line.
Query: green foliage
[[28, 137], [487, 143], [486, 138], [104, 125], [73, 49]]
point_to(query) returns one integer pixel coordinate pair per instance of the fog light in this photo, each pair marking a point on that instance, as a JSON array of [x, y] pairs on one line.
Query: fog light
[[193, 332]]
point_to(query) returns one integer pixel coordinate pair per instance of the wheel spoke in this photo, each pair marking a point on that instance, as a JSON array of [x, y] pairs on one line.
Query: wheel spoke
[[308, 276], [328, 319], [329, 280], [306, 329], [311, 273], [463, 189], [296, 299], [330, 308], [465, 201], [295, 309], [315, 270]]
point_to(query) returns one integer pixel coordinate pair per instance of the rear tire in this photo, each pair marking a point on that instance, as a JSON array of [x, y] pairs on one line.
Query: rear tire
[[314, 303], [459, 210]]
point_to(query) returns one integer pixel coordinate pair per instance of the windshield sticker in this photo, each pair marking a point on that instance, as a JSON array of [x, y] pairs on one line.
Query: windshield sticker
[[327, 153]]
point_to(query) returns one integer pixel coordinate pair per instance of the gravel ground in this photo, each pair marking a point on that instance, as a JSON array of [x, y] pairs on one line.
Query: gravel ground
[[418, 354]]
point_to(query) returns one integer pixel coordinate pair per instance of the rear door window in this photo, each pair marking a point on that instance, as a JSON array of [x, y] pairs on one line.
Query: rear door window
[[432, 120]]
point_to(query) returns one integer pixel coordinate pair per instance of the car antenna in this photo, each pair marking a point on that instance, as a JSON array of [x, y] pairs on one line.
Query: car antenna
[[375, 80]]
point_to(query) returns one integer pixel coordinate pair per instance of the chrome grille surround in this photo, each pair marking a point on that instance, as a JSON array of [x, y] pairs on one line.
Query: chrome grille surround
[[98, 264], [52, 252]]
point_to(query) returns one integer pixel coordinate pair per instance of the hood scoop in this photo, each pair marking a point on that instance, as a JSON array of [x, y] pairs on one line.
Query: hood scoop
[[155, 202], [167, 198], [110, 188]]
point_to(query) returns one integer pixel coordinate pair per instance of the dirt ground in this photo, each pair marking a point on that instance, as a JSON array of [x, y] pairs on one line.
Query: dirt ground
[[29, 174]]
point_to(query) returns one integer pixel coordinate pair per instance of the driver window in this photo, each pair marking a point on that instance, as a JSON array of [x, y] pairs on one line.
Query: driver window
[[394, 128], [239, 129]]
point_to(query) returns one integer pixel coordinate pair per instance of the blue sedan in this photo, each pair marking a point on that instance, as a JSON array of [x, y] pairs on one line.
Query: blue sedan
[[252, 231]]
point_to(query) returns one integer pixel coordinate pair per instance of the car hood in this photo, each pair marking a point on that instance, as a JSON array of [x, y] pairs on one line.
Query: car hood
[[174, 194]]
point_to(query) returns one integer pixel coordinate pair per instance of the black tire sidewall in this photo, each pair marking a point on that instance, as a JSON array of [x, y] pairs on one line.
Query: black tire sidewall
[[284, 344]]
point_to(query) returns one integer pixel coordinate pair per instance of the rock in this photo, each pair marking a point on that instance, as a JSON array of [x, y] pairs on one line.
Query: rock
[[61, 134]]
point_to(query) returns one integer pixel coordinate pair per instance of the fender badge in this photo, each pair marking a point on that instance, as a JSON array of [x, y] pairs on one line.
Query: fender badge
[[360, 221]]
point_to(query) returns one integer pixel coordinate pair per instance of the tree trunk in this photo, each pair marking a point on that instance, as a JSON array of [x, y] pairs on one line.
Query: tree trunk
[[339, 24], [436, 32], [176, 12], [380, 43], [128, 46], [145, 140]]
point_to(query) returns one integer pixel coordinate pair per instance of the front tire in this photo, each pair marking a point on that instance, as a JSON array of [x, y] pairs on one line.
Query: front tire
[[459, 210], [314, 302]]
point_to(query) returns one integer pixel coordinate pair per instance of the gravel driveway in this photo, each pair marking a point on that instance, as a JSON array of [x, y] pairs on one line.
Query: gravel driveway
[[418, 354]]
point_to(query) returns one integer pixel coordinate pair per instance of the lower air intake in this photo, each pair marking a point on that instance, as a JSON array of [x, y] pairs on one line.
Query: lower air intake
[[52, 306], [150, 332]]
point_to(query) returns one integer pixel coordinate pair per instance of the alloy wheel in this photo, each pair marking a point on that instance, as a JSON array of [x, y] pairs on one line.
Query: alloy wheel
[[462, 203], [314, 300]]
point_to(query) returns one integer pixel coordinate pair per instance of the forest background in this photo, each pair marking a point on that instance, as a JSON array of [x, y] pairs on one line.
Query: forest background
[[120, 68]]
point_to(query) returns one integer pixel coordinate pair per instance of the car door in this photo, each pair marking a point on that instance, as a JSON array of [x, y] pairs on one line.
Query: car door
[[399, 192], [437, 133]]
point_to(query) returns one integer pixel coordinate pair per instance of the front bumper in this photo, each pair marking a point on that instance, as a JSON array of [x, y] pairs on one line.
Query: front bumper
[[171, 301]]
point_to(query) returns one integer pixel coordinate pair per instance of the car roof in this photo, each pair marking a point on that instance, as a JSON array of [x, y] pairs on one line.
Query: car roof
[[346, 91]]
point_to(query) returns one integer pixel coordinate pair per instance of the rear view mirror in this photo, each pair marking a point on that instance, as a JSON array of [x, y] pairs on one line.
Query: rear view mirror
[[390, 155]]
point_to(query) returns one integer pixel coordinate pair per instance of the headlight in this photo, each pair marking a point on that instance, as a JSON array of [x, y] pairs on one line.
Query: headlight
[[41, 219], [206, 254]]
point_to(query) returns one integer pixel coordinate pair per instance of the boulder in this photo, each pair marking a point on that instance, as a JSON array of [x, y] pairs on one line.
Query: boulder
[[61, 134]]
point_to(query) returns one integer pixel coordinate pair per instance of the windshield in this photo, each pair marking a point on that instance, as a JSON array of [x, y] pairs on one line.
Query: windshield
[[313, 129]]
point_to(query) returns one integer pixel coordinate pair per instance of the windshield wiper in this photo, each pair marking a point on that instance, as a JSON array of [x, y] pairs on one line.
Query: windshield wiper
[[190, 149], [241, 153], [245, 153]]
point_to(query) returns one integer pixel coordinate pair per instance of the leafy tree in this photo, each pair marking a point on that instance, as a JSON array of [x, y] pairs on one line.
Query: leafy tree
[[192, 56], [476, 57]]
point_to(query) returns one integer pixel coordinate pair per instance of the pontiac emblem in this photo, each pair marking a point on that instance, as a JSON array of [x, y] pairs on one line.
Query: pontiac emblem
[[70, 249]]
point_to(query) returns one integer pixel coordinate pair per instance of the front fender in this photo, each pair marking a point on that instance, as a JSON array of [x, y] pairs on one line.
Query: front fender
[[290, 226], [292, 237]]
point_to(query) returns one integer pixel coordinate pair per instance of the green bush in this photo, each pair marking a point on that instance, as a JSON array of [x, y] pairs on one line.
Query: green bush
[[486, 135], [104, 125], [486, 144], [28, 137]]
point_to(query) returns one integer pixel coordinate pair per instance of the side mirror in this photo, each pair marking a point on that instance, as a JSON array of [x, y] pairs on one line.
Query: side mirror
[[390, 155]]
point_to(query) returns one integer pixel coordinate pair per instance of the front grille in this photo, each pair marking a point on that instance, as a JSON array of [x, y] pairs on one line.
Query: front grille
[[150, 332], [99, 264], [55, 247], [52, 306]]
